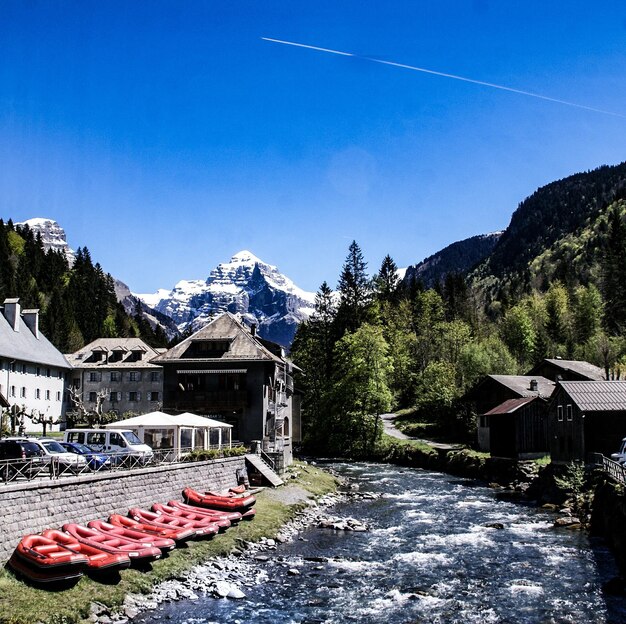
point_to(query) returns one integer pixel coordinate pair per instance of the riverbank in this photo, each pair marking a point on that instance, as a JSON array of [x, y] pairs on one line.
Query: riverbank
[[23, 604]]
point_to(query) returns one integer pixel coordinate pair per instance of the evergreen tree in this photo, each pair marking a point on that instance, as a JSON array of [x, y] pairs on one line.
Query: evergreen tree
[[613, 283], [386, 282], [354, 290]]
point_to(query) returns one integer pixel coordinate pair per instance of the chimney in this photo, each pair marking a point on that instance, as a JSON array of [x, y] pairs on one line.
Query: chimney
[[253, 329], [534, 386], [31, 318], [12, 313]]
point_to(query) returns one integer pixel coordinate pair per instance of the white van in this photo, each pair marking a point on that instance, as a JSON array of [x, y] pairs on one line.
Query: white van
[[115, 441], [620, 456]]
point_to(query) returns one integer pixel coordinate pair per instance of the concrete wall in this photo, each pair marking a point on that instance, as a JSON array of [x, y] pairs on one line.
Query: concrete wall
[[36, 505]]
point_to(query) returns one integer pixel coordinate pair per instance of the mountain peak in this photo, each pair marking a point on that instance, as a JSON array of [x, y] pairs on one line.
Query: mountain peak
[[245, 285], [245, 257]]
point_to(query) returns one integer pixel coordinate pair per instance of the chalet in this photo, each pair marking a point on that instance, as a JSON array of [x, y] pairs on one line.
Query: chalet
[[493, 390], [225, 371], [518, 428], [568, 370], [32, 370], [118, 375], [587, 417]]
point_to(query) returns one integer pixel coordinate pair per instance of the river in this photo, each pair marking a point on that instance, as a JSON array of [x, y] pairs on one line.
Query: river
[[429, 558]]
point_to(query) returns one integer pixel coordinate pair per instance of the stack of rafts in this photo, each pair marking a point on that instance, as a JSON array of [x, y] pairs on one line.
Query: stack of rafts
[[103, 548]]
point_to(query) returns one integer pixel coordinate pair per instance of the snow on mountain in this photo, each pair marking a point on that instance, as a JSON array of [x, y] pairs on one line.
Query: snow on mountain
[[245, 285], [52, 235]]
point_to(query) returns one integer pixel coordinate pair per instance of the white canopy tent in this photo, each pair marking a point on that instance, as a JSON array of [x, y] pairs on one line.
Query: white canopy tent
[[180, 432]]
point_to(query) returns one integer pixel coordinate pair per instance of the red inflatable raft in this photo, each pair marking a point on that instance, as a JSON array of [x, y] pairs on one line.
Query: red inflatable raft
[[225, 503], [137, 551], [43, 560], [193, 515], [233, 516], [201, 529], [162, 543], [99, 559], [179, 535]]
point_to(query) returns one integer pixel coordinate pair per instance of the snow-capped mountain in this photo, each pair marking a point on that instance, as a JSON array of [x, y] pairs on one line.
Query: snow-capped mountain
[[245, 285], [52, 236]]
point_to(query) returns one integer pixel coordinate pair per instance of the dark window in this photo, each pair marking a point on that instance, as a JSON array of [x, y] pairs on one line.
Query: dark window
[[92, 397], [132, 396], [154, 396], [559, 413], [93, 376], [134, 376], [570, 413], [154, 376], [115, 376], [113, 397]]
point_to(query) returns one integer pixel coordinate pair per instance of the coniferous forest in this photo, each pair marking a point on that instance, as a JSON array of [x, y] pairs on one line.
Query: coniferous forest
[[77, 303], [552, 287]]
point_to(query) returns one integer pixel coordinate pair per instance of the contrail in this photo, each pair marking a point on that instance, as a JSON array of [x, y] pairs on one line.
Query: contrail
[[444, 75]]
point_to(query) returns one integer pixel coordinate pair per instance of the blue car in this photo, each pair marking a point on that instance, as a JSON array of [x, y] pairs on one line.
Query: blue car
[[95, 460]]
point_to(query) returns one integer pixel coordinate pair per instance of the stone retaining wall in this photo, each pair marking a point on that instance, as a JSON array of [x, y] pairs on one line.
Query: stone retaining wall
[[33, 506]]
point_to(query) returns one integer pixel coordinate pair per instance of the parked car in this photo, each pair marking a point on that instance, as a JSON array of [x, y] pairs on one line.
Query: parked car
[[65, 460], [21, 457], [95, 460], [620, 456], [120, 443]]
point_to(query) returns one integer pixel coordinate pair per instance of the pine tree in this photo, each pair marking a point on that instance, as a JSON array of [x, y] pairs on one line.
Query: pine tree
[[613, 283], [386, 282], [354, 290]]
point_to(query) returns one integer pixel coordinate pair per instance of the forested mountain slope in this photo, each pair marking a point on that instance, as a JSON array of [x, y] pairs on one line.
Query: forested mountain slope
[[457, 258]]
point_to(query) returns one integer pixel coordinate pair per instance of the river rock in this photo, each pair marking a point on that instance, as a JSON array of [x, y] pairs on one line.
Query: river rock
[[221, 589], [293, 571], [236, 594], [566, 521], [494, 525]]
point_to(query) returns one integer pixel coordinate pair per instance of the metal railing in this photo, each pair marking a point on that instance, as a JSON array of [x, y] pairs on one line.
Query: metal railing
[[12, 470], [613, 469]]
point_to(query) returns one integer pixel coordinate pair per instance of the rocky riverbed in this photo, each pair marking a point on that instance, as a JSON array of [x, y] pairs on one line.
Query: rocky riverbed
[[230, 577]]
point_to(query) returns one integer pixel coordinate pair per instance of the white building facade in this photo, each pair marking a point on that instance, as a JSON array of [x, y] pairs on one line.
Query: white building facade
[[32, 371]]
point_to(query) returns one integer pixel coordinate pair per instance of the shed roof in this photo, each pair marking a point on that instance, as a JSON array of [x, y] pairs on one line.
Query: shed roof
[[596, 396], [512, 405], [521, 384], [587, 370]]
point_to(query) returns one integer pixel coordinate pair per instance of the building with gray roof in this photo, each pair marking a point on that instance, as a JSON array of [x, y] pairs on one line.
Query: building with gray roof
[[32, 369], [587, 417], [557, 369], [226, 371], [118, 373]]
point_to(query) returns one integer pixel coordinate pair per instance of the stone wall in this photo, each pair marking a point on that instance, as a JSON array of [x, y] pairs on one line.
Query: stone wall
[[33, 506]]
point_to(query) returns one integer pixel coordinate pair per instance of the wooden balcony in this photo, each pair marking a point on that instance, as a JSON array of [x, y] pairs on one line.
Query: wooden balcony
[[211, 401]]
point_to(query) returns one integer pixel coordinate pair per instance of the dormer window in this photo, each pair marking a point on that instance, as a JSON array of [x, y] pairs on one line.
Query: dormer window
[[211, 348]]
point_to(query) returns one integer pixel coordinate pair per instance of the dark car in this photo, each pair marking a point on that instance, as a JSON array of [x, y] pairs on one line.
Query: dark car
[[95, 460], [21, 458]]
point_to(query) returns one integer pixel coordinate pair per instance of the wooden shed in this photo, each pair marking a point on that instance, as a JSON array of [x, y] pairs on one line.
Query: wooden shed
[[519, 428], [586, 417]]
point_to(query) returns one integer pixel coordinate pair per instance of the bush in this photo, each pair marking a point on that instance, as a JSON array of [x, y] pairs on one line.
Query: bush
[[207, 455]]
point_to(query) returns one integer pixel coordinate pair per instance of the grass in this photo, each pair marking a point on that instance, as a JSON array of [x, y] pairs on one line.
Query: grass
[[23, 604]]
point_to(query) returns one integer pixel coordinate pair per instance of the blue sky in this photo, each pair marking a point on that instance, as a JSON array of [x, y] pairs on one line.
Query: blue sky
[[166, 135]]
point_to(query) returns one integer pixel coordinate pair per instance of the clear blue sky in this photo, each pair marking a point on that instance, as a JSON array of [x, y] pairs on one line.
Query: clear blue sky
[[167, 135]]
